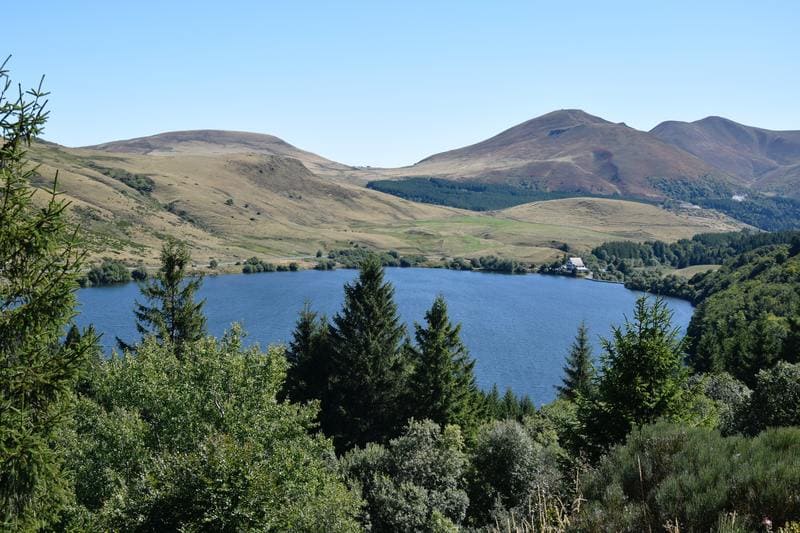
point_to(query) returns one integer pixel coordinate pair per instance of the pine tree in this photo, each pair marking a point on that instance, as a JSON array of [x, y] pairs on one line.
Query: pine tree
[[369, 364], [492, 403], [171, 313], [510, 405], [790, 349], [443, 385], [307, 355], [642, 378], [40, 261], [579, 370]]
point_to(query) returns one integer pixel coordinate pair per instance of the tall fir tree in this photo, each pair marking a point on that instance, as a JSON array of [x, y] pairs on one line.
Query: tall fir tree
[[171, 313], [442, 384], [579, 370], [369, 364], [790, 349], [308, 358], [40, 260], [642, 378]]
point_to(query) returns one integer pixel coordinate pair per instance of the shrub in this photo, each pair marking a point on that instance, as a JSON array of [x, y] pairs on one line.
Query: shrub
[[201, 443], [508, 467], [414, 482], [696, 477], [108, 273], [776, 398], [139, 274], [254, 265]]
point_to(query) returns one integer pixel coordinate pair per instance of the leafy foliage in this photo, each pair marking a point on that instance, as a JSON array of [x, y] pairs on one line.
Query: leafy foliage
[[355, 257], [745, 316], [775, 401], [201, 442], [254, 265], [770, 213], [510, 464], [416, 482], [109, 272], [693, 475], [308, 358], [139, 182], [507, 406]]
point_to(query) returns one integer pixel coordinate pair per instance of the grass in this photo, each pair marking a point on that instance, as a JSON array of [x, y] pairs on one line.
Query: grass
[[281, 210], [688, 272]]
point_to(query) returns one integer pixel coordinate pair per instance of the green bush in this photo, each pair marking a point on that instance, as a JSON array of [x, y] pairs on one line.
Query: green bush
[[695, 476], [776, 398], [201, 443], [139, 274], [415, 481], [509, 465], [109, 272], [254, 265]]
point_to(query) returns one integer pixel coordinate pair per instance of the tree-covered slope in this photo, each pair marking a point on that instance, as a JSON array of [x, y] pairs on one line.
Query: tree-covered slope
[[747, 316]]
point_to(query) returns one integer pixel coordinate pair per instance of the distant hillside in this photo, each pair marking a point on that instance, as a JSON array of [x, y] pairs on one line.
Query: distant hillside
[[233, 196], [569, 151], [765, 159], [218, 142]]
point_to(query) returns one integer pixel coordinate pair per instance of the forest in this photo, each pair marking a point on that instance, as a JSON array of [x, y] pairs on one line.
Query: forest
[[466, 195], [362, 423]]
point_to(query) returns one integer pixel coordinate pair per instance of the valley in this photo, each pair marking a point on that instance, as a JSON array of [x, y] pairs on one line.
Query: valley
[[234, 195]]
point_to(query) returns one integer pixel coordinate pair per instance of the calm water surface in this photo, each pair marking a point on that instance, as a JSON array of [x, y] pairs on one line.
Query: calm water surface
[[518, 328]]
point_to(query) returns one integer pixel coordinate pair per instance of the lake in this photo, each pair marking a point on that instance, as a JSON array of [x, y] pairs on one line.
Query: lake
[[518, 328]]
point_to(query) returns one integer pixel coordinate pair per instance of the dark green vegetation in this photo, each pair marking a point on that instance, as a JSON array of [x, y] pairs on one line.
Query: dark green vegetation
[[354, 257], [747, 316], [770, 213], [357, 427], [139, 182], [579, 370], [170, 314], [474, 196], [471, 195], [254, 265], [109, 272], [40, 262], [641, 265]]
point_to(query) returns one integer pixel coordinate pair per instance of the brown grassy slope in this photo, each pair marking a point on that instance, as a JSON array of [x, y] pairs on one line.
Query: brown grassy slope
[[568, 150], [768, 160], [231, 205], [219, 142]]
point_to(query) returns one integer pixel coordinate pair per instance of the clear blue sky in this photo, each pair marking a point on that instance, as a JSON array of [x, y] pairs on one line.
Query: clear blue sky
[[387, 83]]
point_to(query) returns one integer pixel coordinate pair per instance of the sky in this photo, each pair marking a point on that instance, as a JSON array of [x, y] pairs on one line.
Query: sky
[[387, 83]]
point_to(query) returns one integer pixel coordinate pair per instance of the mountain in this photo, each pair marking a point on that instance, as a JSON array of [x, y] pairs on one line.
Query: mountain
[[236, 195], [220, 142], [569, 151], [766, 160]]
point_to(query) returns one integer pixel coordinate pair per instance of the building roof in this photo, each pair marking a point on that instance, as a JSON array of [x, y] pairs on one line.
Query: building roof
[[576, 262]]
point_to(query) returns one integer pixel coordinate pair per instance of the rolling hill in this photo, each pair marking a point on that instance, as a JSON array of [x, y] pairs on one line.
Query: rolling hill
[[764, 159], [569, 151], [220, 142], [235, 195]]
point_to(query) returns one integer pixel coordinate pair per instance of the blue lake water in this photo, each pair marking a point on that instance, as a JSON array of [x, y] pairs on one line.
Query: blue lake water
[[518, 328]]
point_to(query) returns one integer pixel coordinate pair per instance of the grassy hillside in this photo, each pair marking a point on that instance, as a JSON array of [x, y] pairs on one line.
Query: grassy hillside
[[243, 201], [568, 151]]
